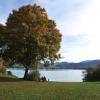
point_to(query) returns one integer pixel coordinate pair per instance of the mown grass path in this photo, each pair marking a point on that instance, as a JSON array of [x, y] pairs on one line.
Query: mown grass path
[[26, 90]]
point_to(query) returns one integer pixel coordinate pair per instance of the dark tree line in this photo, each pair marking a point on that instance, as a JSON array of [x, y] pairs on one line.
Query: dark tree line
[[92, 74]]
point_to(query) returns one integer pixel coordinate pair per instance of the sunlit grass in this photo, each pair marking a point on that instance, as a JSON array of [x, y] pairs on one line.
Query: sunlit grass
[[28, 90], [7, 76]]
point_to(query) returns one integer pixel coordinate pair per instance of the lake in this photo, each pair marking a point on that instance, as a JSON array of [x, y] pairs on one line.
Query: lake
[[57, 75]]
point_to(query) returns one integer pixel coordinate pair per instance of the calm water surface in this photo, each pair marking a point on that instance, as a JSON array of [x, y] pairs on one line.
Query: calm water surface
[[59, 75]]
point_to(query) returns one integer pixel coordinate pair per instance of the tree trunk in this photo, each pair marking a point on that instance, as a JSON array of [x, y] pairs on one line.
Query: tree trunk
[[26, 73]]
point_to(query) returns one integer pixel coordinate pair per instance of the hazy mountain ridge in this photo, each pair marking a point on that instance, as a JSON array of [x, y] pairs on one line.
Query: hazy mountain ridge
[[67, 65], [80, 65]]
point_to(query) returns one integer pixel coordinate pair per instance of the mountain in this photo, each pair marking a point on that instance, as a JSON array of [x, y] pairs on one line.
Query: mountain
[[80, 65], [67, 65]]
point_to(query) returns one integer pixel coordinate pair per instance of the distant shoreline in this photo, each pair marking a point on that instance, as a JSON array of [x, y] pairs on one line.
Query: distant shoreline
[[51, 68]]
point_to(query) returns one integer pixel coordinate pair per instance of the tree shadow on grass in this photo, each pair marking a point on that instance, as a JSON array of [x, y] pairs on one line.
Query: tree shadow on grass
[[6, 79]]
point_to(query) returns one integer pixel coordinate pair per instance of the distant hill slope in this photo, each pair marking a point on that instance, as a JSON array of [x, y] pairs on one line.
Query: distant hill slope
[[80, 65], [67, 65]]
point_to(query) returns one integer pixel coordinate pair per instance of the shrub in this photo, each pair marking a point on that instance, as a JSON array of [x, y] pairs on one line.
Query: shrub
[[9, 72], [34, 75], [92, 74]]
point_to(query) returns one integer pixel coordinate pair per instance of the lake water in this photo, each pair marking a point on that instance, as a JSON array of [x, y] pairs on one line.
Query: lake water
[[59, 75]]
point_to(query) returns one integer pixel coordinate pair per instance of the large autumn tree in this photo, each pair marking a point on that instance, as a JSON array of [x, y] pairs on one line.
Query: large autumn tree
[[3, 37], [32, 37], [2, 46], [2, 66]]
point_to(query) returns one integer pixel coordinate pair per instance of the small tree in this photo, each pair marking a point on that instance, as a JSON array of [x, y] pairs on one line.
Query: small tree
[[92, 74], [34, 75], [32, 37]]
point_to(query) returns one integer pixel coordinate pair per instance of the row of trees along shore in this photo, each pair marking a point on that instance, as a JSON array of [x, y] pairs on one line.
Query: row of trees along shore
[[92, 74], [29, 37]]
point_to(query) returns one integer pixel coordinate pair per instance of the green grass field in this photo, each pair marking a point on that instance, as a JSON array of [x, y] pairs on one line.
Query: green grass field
[[28, 90], [7, 76]]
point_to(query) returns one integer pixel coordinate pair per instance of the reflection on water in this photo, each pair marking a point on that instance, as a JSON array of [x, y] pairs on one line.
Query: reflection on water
[[59, 75]]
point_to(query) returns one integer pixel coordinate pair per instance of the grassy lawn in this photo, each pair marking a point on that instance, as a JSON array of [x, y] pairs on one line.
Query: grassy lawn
[[28, 90], [7, 76]]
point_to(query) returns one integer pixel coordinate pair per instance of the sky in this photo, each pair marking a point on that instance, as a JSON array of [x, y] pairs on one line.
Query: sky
[[77, 20]]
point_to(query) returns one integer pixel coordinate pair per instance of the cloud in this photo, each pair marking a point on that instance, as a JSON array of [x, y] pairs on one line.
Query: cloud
[[67, 15], [60, 9], [86, 23], [78, 21]]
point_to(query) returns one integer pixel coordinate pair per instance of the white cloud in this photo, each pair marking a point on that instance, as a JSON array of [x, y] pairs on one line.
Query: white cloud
[[77, 18], [78, 21], [87, 23]]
